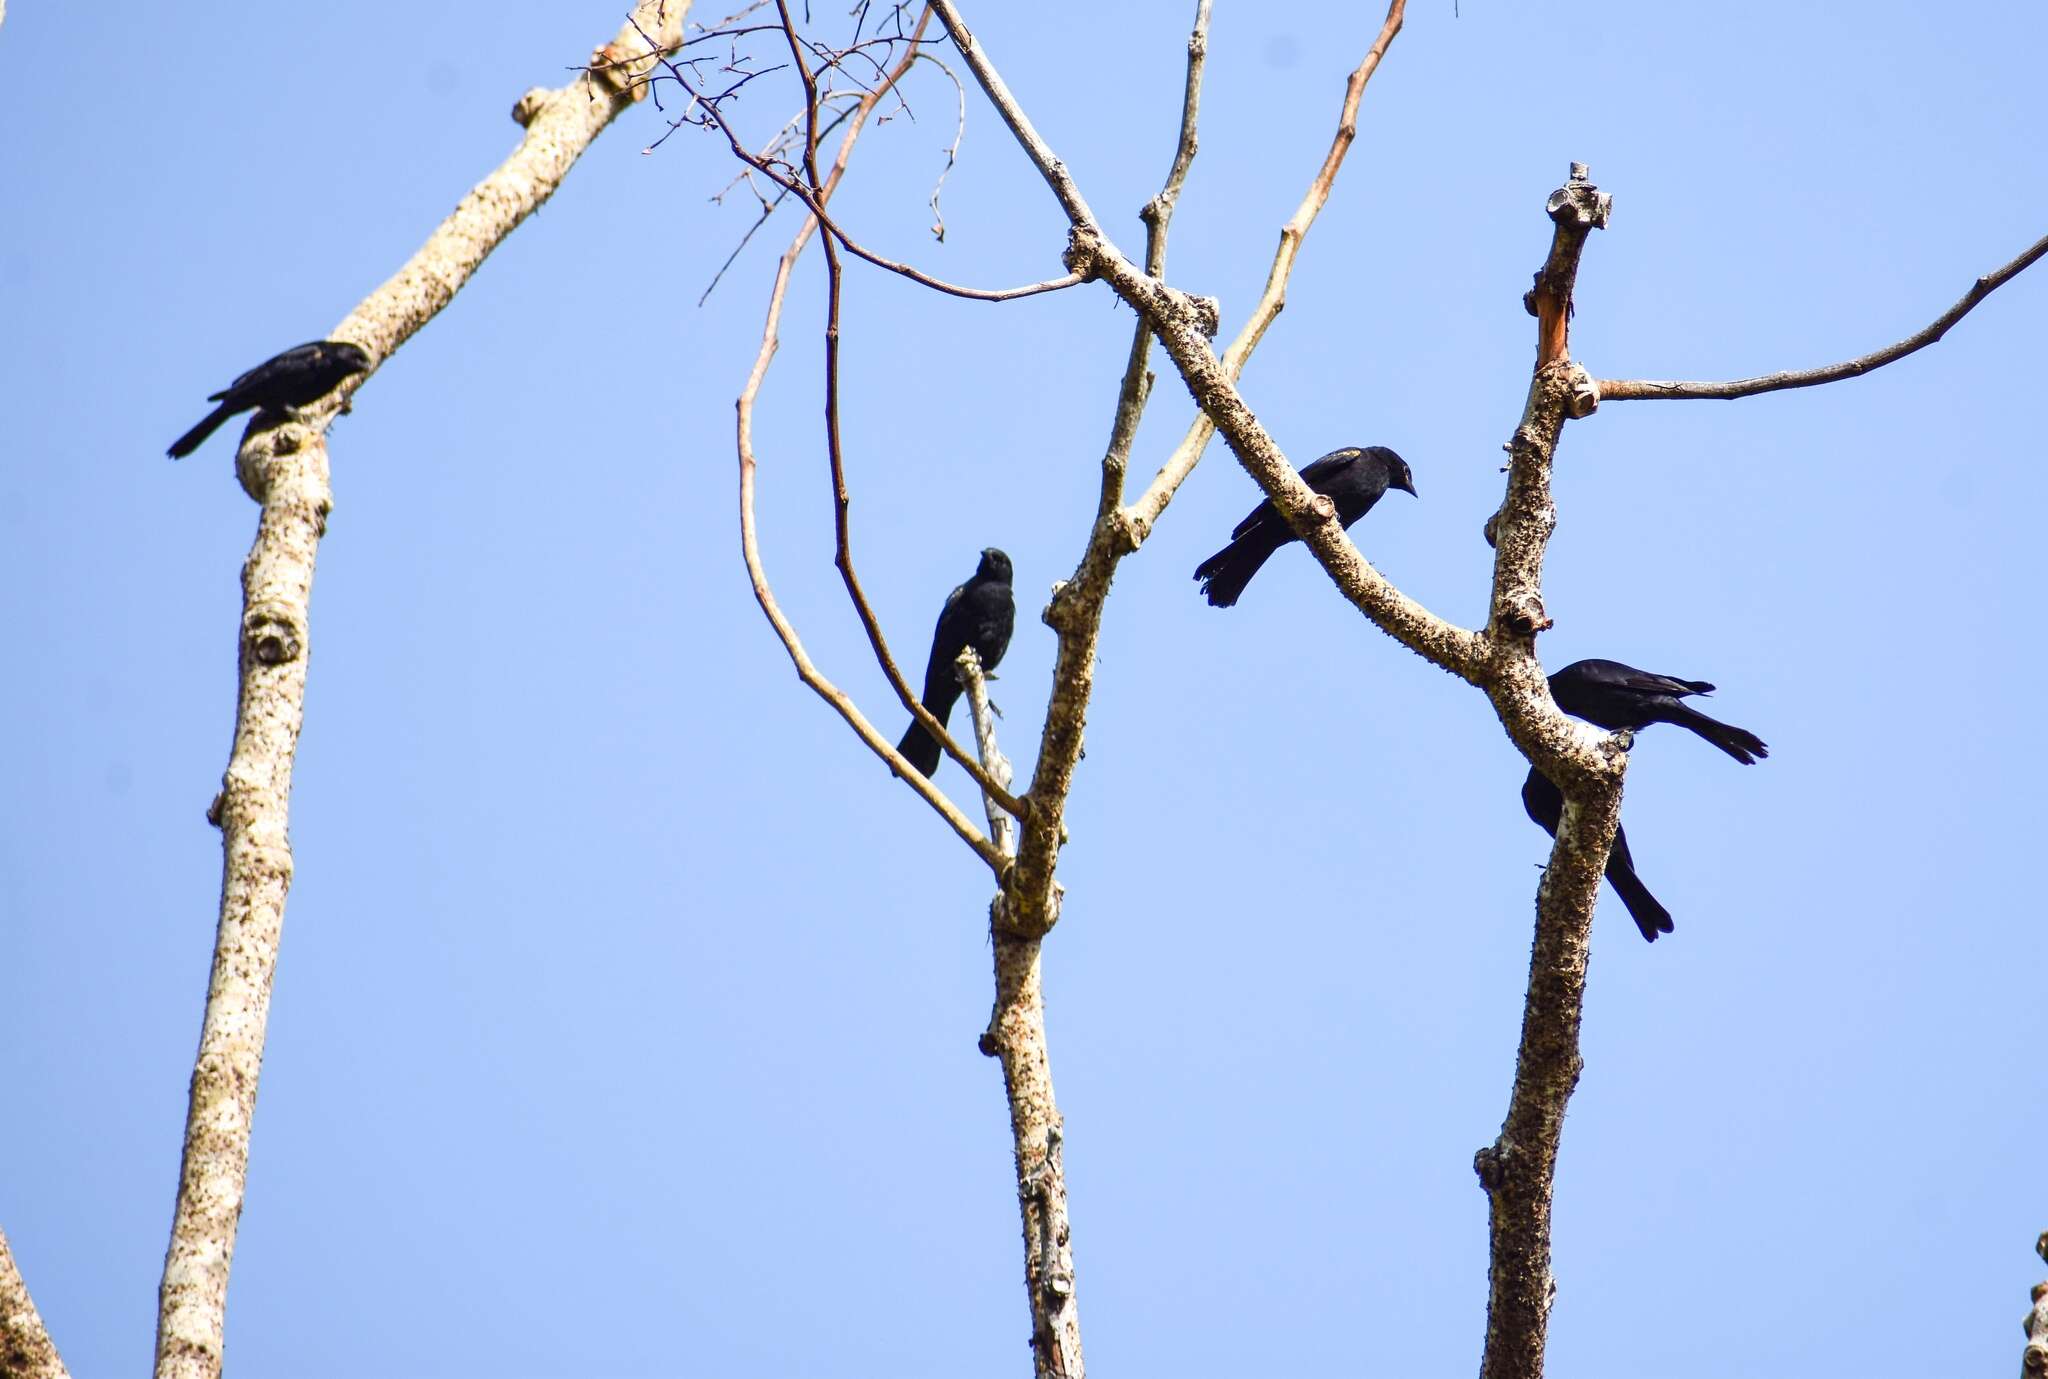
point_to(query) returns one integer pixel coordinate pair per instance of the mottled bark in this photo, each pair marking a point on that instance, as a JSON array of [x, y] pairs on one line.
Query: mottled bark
[[285, 469], [2034, 1360], [26, 1351], [1016, 1035]]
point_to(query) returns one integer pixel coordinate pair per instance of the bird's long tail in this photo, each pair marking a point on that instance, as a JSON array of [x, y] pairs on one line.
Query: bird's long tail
[[1652, 918], [1746, 747], [920, 748], [196, 437], [1225, 574]]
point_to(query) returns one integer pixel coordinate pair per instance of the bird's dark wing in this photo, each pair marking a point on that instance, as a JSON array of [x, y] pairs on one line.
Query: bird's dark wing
[[1317, 474], [1625, 677], [297, 357]]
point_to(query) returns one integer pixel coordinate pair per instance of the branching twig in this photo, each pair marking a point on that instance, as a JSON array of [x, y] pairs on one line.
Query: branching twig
[[26, 1351], [1631, 390], [285, 469], [749, 541], [816, 206]]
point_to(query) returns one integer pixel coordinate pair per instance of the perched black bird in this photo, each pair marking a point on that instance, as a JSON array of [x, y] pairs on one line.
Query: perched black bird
[[302, 374], [1616, 696], [1353, 478], [980, 614], [1545, 803]]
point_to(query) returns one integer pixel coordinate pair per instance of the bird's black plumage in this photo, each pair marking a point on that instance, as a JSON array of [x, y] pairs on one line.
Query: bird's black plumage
[[1545, 803], [305, 373], [980, 614], [1353, 478], [1616, 696]]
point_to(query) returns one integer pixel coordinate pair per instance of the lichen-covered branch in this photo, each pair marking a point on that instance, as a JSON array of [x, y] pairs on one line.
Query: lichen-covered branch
[[285, 469], [1519, 1169], [26, 1351], [2034, 1360], [1016, 1036], [1631, 390]]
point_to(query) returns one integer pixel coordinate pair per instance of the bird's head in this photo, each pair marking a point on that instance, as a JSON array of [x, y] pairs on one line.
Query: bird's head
[[994, 565], [1398, 474], [353, 355]]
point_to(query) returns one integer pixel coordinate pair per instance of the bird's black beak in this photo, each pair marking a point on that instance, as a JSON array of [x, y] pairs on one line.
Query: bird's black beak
[[1407, 486]]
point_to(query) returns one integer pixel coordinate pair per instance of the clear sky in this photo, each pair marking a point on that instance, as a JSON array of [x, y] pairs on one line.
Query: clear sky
[[625, 1022]]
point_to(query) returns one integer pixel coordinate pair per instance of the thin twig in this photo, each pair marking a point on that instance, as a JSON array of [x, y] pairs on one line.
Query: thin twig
[[952, 149], [750, 543], [1002, 826], [794, 186], [1632, 390], [26, 1351], [285, 469]]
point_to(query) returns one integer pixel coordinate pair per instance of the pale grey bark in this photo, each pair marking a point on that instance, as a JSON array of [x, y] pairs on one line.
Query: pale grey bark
[[1016, 1036], [2034, 1360], [285, 469], [26, 1351]]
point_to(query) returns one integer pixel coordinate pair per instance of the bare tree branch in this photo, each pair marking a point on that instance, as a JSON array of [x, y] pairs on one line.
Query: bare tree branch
[[750, 542], [1631, 390], [285, 470], [26, 1351], [2034, 1361], [1016, 1035]]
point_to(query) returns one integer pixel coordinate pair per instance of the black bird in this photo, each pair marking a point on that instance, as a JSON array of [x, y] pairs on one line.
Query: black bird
[[1616, 696], [980, 614], [302, 374], [1354, 478], [1545, 803]]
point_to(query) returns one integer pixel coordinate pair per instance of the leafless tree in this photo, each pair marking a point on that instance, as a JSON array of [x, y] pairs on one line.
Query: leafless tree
[[1517, 1170], [840, 85]]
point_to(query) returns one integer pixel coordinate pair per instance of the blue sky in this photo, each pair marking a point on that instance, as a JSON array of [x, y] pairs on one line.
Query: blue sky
[[626, 1016]]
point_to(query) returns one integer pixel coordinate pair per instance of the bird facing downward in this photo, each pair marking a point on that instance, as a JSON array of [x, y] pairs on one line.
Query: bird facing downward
[[1616, 697], [302, 374], [980, 614], [1353, 478]]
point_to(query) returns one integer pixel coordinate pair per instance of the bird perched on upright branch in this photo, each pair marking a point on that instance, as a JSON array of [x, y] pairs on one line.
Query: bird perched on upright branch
[[283, 383], [980, 614], [1614, 696], [1353, 478]]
